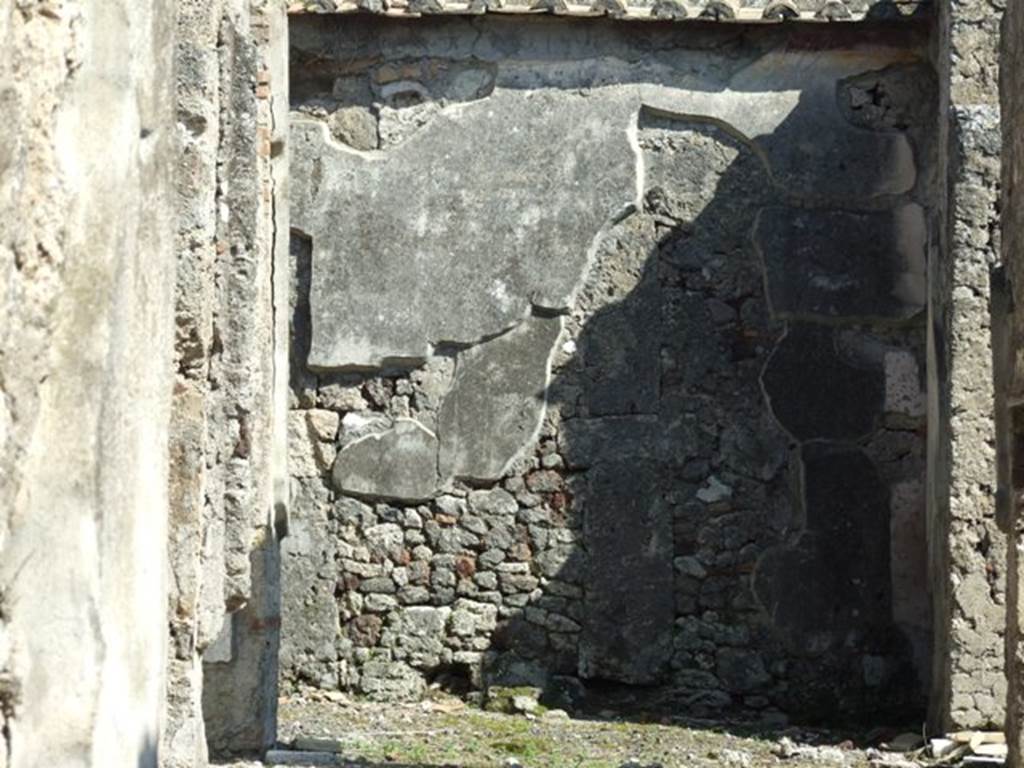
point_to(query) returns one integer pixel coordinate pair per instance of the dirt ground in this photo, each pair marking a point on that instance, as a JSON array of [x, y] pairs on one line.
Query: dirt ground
[[445, 732]]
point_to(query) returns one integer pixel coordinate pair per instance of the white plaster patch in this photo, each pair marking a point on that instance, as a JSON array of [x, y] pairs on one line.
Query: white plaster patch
[[358, 425], [499, 292]]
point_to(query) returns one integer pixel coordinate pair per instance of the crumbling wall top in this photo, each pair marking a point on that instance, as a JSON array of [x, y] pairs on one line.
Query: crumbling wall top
[[640, 10]]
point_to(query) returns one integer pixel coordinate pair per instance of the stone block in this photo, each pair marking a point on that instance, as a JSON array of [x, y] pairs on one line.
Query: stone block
[[496, 402], [355, 126], [741, 670], [416, 635], [469, 618], [391, 681], [497, 502], [399, 464]]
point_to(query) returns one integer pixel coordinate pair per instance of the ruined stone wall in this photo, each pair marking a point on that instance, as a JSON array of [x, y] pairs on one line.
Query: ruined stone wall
[[1012, 115], [968, 547], [231, 107], [608, 361], [86, 327]]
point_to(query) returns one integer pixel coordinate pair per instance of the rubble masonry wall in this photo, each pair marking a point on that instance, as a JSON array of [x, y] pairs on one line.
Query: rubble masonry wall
[[608, 361]]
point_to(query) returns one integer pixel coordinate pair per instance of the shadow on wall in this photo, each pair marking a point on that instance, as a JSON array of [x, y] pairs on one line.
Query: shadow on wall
[[148, 754], [242, 721], [720, 462], [723, 510]]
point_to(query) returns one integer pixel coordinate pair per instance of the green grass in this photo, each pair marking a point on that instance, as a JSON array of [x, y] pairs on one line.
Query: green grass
[[466, 737]]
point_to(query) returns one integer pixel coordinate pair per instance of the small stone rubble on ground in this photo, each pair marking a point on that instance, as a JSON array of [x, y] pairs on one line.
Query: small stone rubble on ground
[[512, 727], [963, 748], [906, 750]]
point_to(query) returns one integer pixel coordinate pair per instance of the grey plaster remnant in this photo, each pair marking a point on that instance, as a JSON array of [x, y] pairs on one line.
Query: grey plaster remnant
[[378, 222], [841, 264], [770, 98], [239, 697], [400, 464], [425, 214], [308, 602], [783, 96], [497, 400], [802, 586], [628, 603], [909, 560], [620, 349]]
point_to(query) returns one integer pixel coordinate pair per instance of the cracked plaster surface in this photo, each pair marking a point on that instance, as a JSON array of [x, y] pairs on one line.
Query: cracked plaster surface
[[492, 208]]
